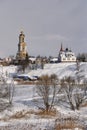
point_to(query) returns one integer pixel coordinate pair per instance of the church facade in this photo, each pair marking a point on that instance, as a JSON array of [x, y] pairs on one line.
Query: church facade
[[22, 47], [66, 55]]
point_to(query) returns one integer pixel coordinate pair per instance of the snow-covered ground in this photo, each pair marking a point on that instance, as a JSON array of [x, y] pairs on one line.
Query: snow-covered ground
[[8, 69], [22, 114], [61, 69]]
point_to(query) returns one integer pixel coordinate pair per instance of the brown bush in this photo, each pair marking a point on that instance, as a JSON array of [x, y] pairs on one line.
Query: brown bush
[[45, 114], [68, 124]]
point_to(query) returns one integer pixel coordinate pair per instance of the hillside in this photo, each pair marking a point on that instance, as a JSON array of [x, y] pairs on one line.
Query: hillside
[[61, 70]]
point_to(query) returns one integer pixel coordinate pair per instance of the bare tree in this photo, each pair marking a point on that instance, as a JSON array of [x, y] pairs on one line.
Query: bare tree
[[6, 91], [67, 86], [81, 83], [80, 97], [10, 87], [74, 95], [79, 76], [47, 89]]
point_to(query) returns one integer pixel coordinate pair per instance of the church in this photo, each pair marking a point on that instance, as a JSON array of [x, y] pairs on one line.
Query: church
[[66, 55], [22, 47]]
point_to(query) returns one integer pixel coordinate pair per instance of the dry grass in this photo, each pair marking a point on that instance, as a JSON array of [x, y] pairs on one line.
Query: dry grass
[[61, 123], [28, 114], [18, 115], [22, 114], [84, 105], [27, 82], [70, 125], [45, 114]]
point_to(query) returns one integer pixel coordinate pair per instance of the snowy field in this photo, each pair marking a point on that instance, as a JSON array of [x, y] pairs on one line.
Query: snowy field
[[61, 70], [22, 114]]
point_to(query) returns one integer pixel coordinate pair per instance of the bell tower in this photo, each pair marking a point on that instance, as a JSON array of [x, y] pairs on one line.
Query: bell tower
[[22, 47]]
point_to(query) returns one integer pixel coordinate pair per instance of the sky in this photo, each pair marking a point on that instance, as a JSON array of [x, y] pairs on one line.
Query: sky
[[45, 23]]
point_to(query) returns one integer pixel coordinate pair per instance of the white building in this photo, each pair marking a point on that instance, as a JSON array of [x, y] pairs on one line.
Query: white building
[[54, 60], [66, 55]]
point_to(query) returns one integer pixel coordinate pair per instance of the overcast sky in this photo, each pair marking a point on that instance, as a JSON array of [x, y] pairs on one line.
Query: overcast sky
[[46, 23]]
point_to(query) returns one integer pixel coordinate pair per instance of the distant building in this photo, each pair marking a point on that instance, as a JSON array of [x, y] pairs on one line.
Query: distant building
[[32, 60], [66, 55], [22, 47], [54, 60]]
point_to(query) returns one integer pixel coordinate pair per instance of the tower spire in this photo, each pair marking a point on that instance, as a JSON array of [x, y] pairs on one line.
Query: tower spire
[[61, 49]]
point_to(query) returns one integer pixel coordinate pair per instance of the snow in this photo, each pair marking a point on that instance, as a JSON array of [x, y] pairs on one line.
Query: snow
[[60, 69], [8, 69], [23, 101]]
